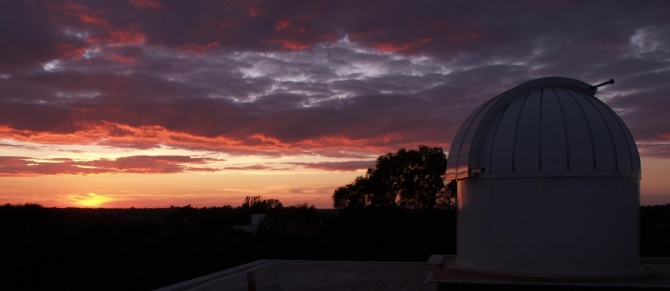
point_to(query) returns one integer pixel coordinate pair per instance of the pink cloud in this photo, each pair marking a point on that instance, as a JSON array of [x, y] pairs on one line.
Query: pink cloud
[[146, 4]]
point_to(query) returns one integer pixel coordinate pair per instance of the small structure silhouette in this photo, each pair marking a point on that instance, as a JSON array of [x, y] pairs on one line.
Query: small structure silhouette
[[256, 220]]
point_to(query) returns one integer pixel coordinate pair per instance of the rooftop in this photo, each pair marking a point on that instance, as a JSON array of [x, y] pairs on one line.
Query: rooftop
[[435, 274]]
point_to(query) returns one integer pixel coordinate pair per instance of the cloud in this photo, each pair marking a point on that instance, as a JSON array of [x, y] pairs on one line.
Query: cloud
[[246, 168], [347, 166], [24, 166], [309, 78], [153, 4]]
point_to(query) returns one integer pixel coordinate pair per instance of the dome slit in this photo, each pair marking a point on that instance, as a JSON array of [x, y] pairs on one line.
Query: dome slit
[[588, 126], [516, 130], [565, 128]]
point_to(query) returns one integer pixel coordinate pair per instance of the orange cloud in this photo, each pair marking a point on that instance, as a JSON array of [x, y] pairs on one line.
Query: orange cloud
[[392, 47], [84, 13], [68, 50], [292, 45], [197, 49], [124, 36], [347, 166], [120, 59], [253, 13], [146, 4], [92, 19], [282, 24], [146, 137], [23, 166], [246, 168], [462, 37]]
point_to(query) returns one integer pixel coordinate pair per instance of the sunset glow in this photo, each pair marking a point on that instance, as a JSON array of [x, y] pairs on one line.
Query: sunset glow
[[151, 103], [90, 200]]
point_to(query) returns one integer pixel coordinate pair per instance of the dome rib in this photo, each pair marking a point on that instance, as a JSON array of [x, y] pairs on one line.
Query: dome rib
[[548, 127], [516, 130], [565, 129]]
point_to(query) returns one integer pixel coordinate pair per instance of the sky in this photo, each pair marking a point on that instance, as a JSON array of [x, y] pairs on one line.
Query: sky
[[152, 103]]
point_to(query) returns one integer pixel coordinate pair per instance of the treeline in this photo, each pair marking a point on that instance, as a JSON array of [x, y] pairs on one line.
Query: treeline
[[143, 249], [655, 231]]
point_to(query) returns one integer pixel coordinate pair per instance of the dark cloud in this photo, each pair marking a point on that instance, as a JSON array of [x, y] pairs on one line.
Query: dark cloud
[[342, 79]]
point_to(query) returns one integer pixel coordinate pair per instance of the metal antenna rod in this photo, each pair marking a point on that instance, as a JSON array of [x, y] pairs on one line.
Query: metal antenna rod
[[611, 81]]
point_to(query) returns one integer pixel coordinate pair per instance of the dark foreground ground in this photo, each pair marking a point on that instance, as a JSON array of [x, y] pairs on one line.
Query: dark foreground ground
[[143, 249]]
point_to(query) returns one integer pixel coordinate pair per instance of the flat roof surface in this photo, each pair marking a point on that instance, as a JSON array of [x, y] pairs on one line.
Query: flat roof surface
[[434, 274], [316, 275]]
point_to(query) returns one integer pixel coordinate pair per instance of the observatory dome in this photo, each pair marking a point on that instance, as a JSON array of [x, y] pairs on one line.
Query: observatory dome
[[548, 184], [544, 128]]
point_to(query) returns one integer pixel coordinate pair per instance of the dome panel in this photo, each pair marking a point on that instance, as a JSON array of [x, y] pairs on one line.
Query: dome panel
[[580, 140], [485, 154], [554, 139], [503, 144], [527, 148], [463, 139], [602, 142], [621, 146], [545, 127]]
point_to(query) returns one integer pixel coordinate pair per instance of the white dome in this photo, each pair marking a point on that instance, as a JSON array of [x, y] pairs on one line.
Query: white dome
[[548, 127], [548, 184]]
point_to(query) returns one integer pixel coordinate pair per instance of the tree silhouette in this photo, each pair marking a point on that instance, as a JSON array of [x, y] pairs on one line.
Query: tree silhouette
[[257, 203], [353, 195], [406, 179]]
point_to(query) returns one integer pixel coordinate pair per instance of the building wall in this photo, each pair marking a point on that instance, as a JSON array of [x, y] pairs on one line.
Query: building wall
[[559, 226]]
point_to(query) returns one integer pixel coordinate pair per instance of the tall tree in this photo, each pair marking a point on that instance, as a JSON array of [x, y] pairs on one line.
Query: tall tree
[[406, 179], [352, 195]]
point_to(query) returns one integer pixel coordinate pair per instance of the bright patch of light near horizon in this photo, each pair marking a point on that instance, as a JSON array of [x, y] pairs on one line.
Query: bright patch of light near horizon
[[90, 200], [5, 76]]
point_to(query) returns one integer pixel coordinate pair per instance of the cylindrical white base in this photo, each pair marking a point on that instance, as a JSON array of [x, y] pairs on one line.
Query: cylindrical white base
[[554, 226]]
